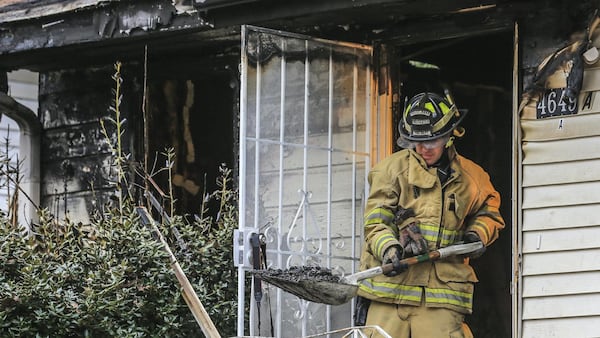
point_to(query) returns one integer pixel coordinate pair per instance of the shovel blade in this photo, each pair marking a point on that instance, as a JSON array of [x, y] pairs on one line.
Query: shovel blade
[[324, 289]]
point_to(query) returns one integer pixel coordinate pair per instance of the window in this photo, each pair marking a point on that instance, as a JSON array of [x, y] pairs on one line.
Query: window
[[19, 148]]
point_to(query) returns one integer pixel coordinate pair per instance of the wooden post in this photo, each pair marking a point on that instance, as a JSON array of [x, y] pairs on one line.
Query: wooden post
[[189, 295]]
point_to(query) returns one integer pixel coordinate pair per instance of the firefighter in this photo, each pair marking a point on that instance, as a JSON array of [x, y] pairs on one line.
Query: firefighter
[[422, 198]]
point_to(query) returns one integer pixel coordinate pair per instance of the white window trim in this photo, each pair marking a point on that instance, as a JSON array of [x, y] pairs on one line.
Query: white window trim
[[29, 150]]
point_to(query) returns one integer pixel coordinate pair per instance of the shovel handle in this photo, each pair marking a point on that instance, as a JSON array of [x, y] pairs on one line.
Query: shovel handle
[[406, 262], [449, 251], [389, 267]]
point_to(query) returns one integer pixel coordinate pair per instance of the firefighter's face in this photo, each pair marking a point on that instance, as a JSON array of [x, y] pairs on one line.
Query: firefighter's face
[[431, 151]]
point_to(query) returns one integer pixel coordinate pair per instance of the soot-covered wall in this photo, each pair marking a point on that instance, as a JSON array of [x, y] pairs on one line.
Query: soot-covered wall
[[76, 158]]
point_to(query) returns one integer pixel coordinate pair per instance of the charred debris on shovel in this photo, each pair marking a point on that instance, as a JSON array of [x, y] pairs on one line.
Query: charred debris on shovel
[[299, 273], [312, 283]]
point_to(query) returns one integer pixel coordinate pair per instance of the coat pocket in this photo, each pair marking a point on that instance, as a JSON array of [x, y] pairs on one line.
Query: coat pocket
[[455, 272]]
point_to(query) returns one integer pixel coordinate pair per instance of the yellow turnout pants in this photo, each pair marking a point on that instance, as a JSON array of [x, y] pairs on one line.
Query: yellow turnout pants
[[405, 321]]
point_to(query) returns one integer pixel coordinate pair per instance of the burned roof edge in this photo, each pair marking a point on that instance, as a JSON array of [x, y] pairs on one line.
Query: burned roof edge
[[28, 13], [15, 13]]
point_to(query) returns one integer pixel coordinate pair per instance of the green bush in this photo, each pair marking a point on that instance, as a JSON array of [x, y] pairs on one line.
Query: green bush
[[113, 278]]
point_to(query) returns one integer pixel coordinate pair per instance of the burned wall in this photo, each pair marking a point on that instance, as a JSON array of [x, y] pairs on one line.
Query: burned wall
[[553, 25], [76, 158]]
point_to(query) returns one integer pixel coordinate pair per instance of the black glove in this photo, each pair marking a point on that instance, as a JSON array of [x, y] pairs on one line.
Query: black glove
[[412, 241], [393, 255], [471, 237]]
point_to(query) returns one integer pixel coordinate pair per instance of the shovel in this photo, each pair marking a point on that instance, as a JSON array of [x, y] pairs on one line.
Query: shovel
[[319, 285]]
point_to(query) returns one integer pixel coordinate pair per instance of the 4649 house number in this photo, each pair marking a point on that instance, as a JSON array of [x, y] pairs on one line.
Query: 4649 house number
[[554, 102]]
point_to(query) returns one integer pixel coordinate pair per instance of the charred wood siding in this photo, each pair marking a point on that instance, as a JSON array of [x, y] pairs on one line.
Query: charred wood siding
[[76, 157]]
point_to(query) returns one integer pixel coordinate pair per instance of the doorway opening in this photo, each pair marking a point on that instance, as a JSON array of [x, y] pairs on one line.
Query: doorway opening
[[190, 114], [478, 72]]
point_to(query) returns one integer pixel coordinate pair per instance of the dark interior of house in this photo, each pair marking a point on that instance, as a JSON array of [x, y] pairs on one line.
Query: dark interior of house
[[478, 72], [191, 110]]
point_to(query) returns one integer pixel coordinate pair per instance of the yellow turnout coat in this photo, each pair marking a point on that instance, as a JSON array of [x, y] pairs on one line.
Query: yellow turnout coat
[[466, 202]]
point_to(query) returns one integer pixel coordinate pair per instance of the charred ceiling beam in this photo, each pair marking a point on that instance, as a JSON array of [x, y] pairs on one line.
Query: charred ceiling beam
[[371, 21], [212, 4], [197, 46], [458, 24], [311, 12], [454, 27], [113, 24]]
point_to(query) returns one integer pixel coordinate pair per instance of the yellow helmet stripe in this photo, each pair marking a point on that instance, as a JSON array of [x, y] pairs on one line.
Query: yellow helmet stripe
[[429, 107], [445, 109]]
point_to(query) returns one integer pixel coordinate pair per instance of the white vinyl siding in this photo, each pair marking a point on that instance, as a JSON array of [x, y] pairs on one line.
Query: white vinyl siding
[[560, 228]]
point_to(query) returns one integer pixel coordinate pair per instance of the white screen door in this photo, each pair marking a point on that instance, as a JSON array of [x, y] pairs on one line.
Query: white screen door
[[305, 115]]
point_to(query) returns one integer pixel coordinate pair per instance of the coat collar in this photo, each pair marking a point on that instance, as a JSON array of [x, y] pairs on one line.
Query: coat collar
[[422, 176]]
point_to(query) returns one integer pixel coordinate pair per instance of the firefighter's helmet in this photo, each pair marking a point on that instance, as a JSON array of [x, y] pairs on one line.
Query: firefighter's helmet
[[428, 116]]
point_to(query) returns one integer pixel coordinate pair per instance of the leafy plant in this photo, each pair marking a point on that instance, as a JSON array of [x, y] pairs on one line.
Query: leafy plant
[[113, 279]]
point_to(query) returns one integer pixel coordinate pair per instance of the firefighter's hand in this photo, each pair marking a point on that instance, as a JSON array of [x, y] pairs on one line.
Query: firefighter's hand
[[412, 241], [471, 237], [393, 255]]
